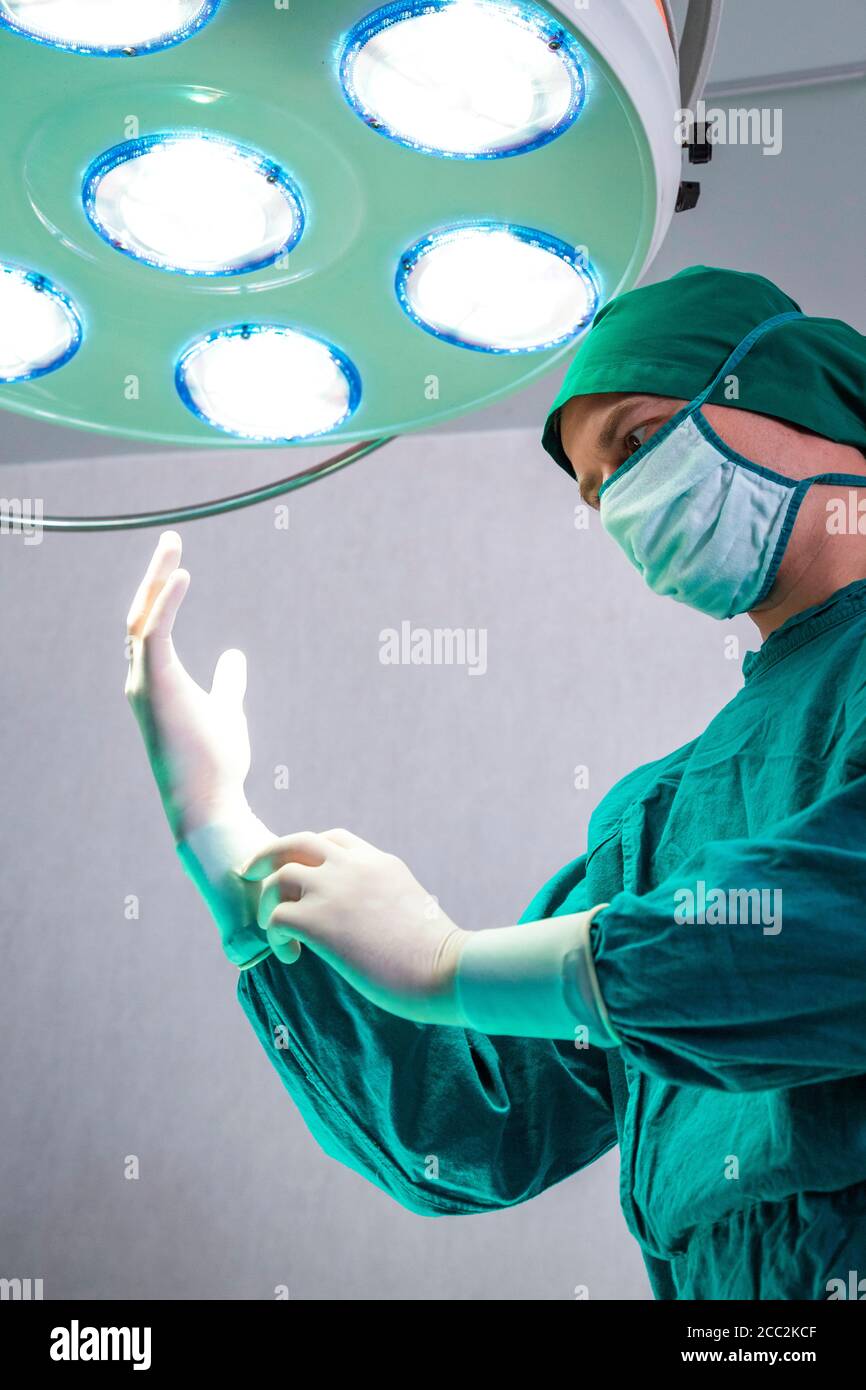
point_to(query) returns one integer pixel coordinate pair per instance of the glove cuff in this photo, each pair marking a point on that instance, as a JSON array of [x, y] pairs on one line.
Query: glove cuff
[[212, 856], [581, 987], [536, 980]]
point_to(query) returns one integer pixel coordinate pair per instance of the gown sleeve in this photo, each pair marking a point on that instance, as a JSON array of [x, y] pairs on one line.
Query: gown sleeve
[[774, 994], [446, 1120]]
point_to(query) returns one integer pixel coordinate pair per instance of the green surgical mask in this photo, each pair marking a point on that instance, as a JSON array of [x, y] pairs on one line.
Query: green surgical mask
[[701, 523]]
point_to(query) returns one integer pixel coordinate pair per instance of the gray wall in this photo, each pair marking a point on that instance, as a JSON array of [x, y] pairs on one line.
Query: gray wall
[[124, 1037]]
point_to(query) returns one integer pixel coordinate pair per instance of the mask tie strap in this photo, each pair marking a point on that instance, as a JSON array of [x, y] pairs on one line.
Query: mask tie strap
[[838, 479], [794, 505]]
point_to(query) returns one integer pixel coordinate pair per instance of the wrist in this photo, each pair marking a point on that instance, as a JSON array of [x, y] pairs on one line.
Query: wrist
[[212, 855], [206, 812], [236, 823]]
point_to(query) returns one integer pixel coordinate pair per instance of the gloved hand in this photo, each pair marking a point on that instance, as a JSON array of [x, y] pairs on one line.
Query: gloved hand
[[199, 750], [365, 914], [197, 742]]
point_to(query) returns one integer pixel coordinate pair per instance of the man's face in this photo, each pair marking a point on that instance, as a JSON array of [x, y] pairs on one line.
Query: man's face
[[600, 432]]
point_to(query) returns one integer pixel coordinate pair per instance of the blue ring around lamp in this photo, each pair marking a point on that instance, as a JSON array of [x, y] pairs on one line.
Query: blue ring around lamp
[[246, 330], [570, 254], [170, 40], [530, 15], [132, 149], [45, 286]]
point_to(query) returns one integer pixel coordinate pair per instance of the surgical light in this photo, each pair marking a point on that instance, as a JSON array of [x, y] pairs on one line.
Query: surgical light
[[40, 330], [336, 226], [497, 288], [193, 203], [471, 79], [107, 28], [268, 382]]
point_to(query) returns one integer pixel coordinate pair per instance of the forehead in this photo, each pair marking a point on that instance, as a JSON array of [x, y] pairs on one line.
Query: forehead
[[580, 409], [583, 413]]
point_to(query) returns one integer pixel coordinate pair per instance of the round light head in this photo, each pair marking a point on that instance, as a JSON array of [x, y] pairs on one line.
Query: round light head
[[609, 184], [40, 329], [194, 204], [268, 383], [107, 28], [466, 79], [497, 288]]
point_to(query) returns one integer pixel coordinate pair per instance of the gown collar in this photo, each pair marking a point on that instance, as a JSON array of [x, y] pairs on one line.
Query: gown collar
[[802, 627]]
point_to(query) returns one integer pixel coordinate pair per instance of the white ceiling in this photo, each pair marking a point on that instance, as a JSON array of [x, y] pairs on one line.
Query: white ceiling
[[797, 217]]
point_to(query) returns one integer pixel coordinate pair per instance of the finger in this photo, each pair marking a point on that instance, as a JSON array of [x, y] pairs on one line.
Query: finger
[[229, 682], [165, 559], [346, 839], [160, 621], [286, 887], [153, 649], [304, 847], [302, 924], [283, 932], [284, 945]]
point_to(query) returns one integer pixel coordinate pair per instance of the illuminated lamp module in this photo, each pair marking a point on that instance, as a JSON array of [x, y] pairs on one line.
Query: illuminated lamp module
[[467, 79], [497, 288], [40, 330], [107, 28], [268, 383], [192, 203]]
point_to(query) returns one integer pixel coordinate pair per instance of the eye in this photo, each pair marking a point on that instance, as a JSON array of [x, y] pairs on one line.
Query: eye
[[635, 439]]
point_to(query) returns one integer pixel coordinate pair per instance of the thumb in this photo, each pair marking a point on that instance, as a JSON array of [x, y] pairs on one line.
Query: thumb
[[229, 682]]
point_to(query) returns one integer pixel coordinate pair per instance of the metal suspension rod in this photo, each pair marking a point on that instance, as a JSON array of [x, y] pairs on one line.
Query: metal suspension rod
[[176, 515]]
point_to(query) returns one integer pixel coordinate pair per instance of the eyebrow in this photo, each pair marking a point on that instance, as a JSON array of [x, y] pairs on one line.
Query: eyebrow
[[608, 434]]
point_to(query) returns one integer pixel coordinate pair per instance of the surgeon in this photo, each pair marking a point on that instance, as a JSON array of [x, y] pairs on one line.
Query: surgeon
[[693, 986]]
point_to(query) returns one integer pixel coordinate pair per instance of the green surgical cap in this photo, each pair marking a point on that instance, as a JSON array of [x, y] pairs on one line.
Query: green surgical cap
[[670, 339]]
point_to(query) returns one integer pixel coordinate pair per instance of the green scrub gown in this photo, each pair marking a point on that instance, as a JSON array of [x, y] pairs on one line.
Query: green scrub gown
[[738, 1095]]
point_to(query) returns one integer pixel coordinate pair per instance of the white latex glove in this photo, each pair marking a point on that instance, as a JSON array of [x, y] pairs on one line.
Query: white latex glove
[[199, 749], [366, 914], [197, 742]]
